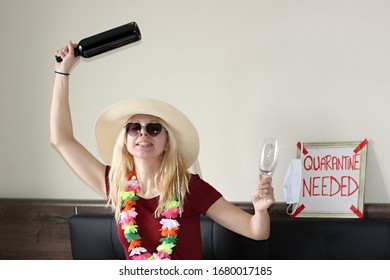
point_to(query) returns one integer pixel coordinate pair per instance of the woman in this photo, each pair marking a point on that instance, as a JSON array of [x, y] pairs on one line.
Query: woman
[[149, 146]]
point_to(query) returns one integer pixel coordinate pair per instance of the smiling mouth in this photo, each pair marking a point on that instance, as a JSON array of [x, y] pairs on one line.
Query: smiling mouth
[[144, 144]]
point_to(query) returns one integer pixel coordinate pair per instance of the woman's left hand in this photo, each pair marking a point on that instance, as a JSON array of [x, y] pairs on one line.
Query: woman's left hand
[[263, 194]]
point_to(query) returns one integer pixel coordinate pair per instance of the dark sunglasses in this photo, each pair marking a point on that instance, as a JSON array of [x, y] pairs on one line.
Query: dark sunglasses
[[134, 129]]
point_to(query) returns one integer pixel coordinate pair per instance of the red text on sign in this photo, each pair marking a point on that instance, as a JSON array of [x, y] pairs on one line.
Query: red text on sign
[[329, 186]]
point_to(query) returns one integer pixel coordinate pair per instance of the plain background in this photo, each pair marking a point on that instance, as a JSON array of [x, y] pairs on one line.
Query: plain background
[[241, 70]]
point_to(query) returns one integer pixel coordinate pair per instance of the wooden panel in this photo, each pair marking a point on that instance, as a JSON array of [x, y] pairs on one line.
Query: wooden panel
[[38, 229]]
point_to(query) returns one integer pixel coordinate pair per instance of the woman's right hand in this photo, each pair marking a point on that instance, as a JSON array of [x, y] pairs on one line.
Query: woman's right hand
[[68, 58]]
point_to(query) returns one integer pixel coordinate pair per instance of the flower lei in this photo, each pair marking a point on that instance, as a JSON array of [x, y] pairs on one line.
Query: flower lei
[[169, 226]]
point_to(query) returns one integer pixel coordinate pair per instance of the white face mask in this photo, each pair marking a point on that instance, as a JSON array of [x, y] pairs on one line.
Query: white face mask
[[292, 182]]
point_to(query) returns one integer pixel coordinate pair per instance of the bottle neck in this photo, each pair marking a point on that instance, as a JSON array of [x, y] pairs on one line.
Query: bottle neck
[[77, 50]]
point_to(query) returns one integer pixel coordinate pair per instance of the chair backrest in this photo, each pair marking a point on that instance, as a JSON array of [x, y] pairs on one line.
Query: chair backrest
[[94, 237]]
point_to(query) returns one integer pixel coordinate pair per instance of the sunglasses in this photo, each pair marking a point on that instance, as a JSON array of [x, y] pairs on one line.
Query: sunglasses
[[134, 129]]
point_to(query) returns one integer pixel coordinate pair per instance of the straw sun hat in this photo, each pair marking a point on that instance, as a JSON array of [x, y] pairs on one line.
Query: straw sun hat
[[113, 119]]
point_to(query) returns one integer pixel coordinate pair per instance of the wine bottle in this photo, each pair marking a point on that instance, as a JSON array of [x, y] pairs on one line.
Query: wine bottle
[[107, 40]]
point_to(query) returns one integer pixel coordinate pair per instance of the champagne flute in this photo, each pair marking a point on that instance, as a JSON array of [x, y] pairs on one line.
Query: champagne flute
[[269, 155]]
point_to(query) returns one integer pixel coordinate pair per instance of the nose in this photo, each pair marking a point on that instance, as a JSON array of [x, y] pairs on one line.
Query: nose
[[143, 131]]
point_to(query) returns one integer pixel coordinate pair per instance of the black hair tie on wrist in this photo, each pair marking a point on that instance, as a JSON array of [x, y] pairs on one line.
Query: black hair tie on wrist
[[61, 73]]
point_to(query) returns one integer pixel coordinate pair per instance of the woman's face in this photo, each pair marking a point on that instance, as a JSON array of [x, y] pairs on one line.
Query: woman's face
[[143, 145]]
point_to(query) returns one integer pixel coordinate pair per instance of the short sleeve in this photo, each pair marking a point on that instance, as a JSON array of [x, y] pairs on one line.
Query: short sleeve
[[201, 194]]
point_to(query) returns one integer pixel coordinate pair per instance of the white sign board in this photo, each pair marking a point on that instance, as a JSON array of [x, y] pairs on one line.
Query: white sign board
[[333, 176]]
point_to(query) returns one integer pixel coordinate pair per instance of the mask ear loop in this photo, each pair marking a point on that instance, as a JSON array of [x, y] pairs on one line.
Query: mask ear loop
[[289, 209]]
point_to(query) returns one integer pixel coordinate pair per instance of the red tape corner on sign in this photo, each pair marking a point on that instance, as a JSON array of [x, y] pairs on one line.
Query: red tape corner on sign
[[360, 146], [299, 210], [304, 151], [357, 212]]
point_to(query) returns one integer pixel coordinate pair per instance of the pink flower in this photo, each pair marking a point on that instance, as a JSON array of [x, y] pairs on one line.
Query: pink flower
[[128, 216], [141, 257], [171, 213], [162, 256], [135, 189]]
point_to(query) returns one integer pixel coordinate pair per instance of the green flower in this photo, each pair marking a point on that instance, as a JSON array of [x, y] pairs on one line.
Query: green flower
[[172, 204], [132, 236], [127, 195], [167, 247], [171, 239], [131, 227]]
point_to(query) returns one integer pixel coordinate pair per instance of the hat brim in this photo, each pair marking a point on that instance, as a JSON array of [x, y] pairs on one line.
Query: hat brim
[[113, 119]]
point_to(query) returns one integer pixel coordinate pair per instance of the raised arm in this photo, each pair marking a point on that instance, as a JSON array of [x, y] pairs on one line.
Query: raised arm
[[255, 226], [90, 169]]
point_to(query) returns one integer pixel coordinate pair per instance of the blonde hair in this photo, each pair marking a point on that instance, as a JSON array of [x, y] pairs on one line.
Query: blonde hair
[[171, 179]]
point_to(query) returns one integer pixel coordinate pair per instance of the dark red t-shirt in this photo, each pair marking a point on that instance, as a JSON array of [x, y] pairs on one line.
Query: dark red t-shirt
[[189, 243]]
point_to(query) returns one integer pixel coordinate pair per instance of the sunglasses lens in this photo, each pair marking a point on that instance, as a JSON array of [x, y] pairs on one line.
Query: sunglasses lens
[[153, 129], [133, 129]]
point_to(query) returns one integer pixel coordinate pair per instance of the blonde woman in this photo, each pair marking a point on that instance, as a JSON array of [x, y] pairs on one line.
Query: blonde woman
[[148, 146]]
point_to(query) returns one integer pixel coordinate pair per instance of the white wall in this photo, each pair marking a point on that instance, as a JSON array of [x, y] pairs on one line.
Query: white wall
[[299, 70]]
